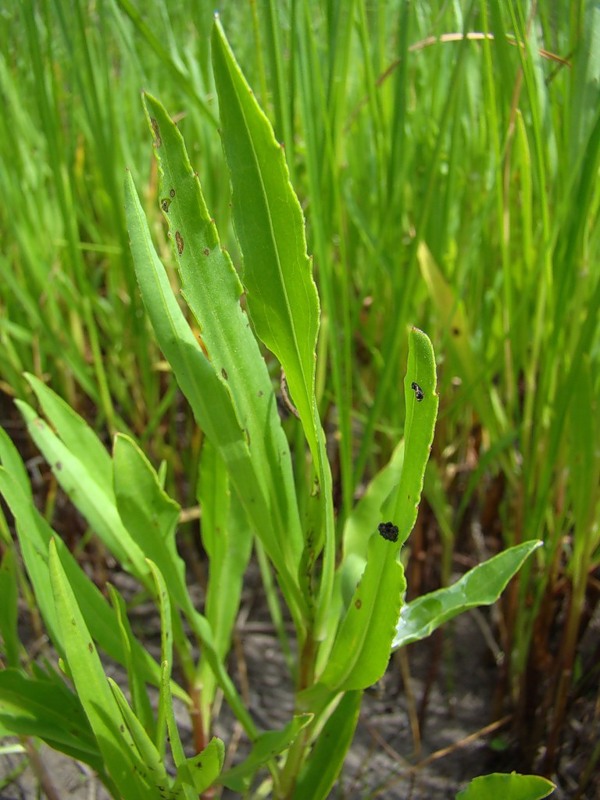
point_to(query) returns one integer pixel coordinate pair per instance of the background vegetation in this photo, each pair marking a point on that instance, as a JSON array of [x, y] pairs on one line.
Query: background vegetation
[[446, 157]]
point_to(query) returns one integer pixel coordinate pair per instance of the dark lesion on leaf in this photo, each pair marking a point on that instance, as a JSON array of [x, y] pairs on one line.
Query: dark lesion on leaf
[[389, 531], [419, 394]]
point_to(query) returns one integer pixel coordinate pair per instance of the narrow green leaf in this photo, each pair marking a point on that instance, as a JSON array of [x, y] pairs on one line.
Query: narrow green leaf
[[481, 586], [266, 747], [212, 404], [135, 674], [329, 752], [148, 762], [13, 463], [35, 535], [74, 432], [513, 786], [280, 290], [166, 655], [49, 710], [359, 525], [421, 412], [95, 501], [227, 539], [208, 392], [149, 515], [281, 293], [361, 650], [92, 686], [9, 594], [169, 709], [212, 290], [362, 647]]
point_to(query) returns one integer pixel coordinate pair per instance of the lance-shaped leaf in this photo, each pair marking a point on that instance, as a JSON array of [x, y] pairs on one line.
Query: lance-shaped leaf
[[49, 710], [421, 412], [93, 497], [362, 646], [149, 515], [92, 687], [281, 293], [202, 770], [212, 290], [35, 535], [480, 586], [210, 393]]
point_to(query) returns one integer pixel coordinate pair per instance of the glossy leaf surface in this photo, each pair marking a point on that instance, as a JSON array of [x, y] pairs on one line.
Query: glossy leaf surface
[[481, 586]]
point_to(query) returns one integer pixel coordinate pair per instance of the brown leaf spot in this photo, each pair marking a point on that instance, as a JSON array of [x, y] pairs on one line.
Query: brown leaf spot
[[156, 132]]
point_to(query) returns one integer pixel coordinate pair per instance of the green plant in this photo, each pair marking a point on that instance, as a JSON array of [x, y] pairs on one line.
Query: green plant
[[343, 589]]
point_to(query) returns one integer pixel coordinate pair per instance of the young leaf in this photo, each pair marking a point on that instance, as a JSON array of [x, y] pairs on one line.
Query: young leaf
[[481, 586], [166, 656], [137, 684], [148, 762]]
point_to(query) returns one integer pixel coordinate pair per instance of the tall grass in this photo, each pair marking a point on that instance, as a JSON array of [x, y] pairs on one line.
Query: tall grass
[[447, 160]]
